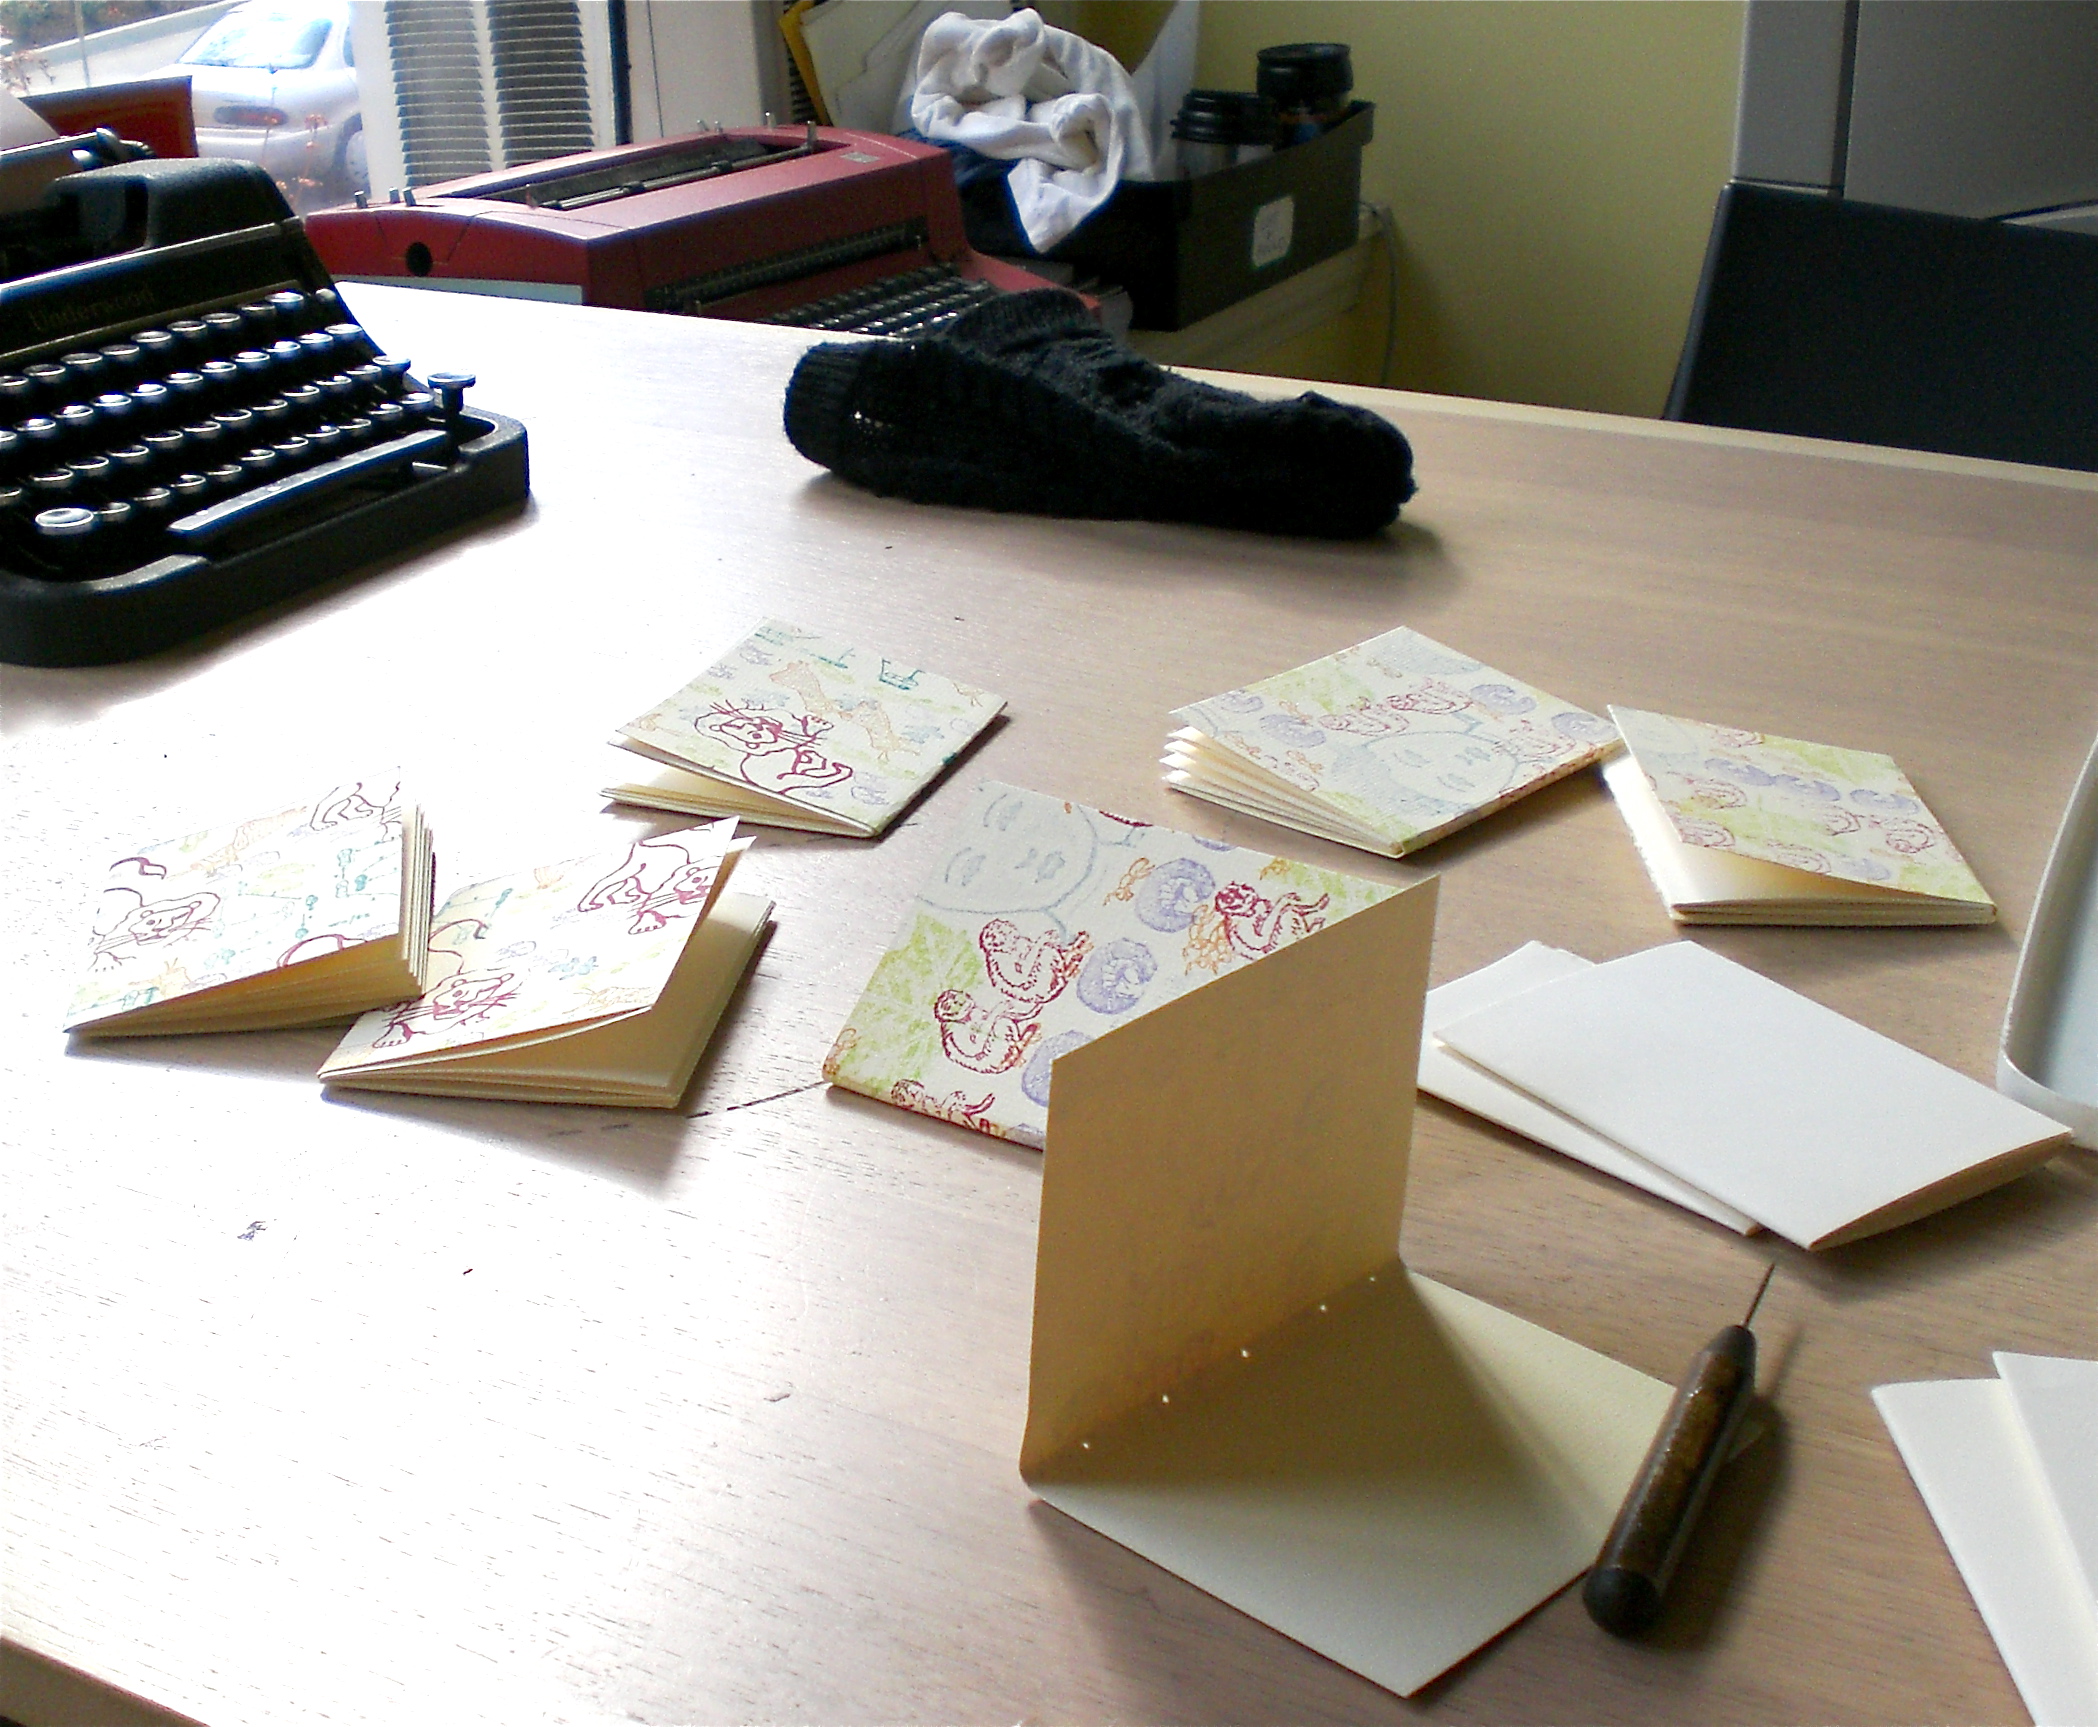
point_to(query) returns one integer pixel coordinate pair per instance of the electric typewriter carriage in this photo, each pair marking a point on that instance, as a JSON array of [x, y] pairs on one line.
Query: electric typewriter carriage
[[813, 226], [192, 423]]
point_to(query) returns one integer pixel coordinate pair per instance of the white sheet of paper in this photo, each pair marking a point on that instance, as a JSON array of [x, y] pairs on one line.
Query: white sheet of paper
[[1810, 1123], [2056, 1400], [1455, 1080], [1961, 1441]]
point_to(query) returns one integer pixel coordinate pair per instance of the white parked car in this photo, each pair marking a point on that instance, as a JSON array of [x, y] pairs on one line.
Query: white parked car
[[275, 81]]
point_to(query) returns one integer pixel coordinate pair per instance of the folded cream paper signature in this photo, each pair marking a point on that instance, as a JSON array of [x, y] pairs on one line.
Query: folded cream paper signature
[[1235, 1375]]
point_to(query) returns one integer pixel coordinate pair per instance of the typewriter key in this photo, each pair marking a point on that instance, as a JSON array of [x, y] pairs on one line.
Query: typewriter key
[[67, 522]]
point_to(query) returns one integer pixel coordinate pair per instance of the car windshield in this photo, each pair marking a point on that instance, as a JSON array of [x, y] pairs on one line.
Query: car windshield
[[278, 38]]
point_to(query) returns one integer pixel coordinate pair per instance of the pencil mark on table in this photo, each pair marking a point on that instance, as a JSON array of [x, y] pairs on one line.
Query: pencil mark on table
[[755, 1102]]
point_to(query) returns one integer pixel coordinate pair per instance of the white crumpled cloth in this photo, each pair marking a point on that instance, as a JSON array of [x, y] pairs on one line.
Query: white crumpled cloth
[[1052, 103]]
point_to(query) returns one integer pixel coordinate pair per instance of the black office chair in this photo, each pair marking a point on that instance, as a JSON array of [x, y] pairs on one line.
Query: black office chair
[[1884, 326]]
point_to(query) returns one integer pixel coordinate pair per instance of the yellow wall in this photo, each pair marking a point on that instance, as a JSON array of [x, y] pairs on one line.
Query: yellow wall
[[1552, 165]]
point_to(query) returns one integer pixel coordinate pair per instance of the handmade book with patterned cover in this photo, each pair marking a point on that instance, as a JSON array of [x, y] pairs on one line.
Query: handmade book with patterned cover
[[1741, 827], [1388, 745], [1047, 923], [307, 914], [596, 980], [797, 729]]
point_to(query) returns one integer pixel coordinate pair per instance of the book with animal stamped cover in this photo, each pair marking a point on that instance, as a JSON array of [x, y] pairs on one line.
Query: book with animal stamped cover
[[598, 979], [1742, 827], [1045, 924], [308, 914], [1388, 745], [797, 729]]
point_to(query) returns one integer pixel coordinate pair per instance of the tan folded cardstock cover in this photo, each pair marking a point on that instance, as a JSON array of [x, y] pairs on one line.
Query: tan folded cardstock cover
[[1234, 1374]]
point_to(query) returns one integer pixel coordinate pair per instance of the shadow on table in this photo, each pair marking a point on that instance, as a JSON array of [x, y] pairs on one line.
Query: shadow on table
[[294, 1054], [2005, 1224], [38, 1692]]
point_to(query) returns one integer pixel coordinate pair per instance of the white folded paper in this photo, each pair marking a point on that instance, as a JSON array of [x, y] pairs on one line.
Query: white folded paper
[[1974, 1460], [1769, 1103], [2056, 1398], [1447, 1075]]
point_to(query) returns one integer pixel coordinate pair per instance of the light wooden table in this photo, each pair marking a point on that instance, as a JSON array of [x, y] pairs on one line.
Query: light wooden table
[[394, 1410]]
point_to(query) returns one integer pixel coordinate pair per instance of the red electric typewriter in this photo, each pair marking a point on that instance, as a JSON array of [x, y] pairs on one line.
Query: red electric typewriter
[[824, 228]]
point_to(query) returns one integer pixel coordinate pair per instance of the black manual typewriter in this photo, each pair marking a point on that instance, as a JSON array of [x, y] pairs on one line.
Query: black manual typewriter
[[193, 425]]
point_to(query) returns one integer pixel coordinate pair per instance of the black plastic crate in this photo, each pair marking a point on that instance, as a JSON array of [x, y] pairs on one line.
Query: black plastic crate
[[1187, 248]]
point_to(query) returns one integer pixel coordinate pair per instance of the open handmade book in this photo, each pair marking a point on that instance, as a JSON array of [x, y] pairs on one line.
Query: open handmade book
[[302, 916], [800, 730], [1235, 1374], [1388, 745], [1740, 827], [595, 980]]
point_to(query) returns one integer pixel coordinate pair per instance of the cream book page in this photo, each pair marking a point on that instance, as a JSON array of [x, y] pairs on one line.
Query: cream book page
[[1450, 1077], [2056, 1401], [551, 949], [1045, 924], [1399, 739], [792, 719], [1847, 815], [1234, 1375], [239, 903], [1960, 1440], [1810, 1123]]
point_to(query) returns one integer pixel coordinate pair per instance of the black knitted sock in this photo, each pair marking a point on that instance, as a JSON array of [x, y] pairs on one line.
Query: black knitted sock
[[1027, 404]]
